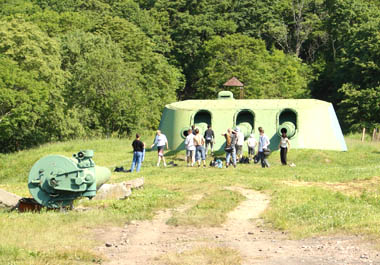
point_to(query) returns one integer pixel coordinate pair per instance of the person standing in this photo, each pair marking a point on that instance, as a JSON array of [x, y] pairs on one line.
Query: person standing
[[251, 143], [263, 146], [160, 141], [190, 148], [193, 129], [239, 143], [210, 139], [199, 149], [138, 149], [230, 147], [284, 145]]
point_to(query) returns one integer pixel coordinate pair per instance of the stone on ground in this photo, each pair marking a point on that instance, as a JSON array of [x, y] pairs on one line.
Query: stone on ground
[[113, 191], [8, 200]]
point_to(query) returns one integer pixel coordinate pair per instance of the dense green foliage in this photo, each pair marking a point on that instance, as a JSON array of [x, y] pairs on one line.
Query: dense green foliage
[[108, 67], [266, 75]]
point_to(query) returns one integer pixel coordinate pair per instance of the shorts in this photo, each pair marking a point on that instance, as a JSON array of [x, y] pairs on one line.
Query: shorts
[[200, 153], [239, 149], [190, 153], [160, 150]]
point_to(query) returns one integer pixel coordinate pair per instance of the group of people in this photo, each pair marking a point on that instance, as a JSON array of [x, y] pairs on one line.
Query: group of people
[[197, 147], [139, 150]]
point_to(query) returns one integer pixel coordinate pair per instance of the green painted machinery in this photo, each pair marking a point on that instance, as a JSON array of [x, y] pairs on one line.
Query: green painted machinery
[[55, 181], [309, 123]]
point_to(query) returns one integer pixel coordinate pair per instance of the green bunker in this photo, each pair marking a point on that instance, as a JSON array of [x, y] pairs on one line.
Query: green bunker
[[310, 123]]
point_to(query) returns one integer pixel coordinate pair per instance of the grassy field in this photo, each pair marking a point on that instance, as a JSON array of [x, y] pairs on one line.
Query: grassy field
[[326, 193]]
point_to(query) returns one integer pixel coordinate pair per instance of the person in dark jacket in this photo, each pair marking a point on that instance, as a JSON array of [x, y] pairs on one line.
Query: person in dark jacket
[[138, 153], [210, 139]]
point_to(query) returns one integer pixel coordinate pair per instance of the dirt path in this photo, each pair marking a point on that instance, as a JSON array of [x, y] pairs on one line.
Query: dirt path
[[142, 242]]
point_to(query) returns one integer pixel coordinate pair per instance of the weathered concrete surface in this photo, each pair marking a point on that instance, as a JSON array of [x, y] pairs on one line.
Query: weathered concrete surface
[[113, 191], [8, 200], [136, 183], [118, 191]]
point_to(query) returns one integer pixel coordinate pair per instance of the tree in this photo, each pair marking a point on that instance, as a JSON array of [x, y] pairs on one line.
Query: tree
[[148, 21], [352, 53], [35, 53], [12, 7], [27, 115], [23, 107], [264, 74], [359, 107], [190, 24], [158, 79], [102, 85], [32, 49], [294, 26]]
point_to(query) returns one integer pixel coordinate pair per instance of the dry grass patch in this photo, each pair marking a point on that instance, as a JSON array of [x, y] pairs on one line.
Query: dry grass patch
[[211, 210], [352, 188], [210, 256]]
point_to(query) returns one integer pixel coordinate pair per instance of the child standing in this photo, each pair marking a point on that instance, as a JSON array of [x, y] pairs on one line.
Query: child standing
[[284, 145]]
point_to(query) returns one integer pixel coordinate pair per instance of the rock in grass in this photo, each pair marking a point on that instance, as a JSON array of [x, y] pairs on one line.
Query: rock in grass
[[117, 191], [8, 200], [136, 183]]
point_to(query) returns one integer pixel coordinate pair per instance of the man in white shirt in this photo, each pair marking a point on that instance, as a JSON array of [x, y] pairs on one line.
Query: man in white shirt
[[190, 148], [263, 145], [160, 141]]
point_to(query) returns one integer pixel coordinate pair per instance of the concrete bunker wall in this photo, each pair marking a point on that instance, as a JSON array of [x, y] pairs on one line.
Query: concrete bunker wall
[[245, 120], [299, 117], [202, 119], [287, 119]]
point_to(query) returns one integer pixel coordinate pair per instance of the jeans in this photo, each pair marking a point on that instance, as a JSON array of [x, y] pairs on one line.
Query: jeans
[[137, 158], [228, 156], [263, 158], [200, 153]]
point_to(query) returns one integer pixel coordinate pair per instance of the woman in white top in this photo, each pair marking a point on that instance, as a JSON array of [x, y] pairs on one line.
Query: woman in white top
[[284, 145], [160, 141]]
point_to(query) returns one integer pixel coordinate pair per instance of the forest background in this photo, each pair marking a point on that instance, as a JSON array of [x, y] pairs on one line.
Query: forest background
[[86, 68]]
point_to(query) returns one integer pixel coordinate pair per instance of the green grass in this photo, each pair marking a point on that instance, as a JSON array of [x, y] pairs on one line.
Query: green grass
[[211, 210], [314, 211], [305, 200]]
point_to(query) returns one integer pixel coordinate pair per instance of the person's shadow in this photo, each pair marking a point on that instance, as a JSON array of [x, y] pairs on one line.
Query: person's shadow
[[274, 142]]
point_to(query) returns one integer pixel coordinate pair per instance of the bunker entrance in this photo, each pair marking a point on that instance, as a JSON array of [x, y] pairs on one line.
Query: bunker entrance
[[287, 123], [201, 119], [245, 120]]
